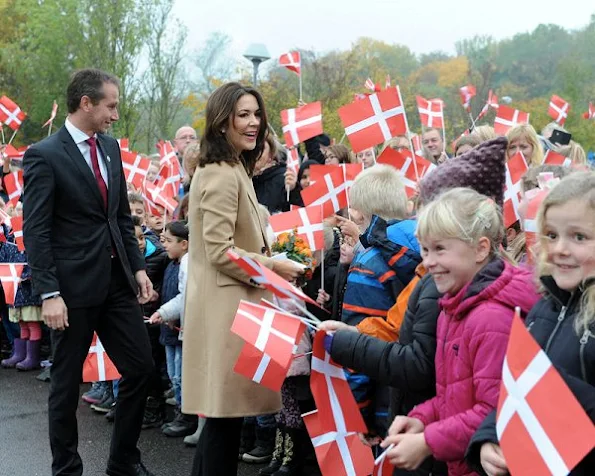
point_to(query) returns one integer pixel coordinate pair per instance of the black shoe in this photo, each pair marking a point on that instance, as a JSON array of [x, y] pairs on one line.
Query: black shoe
[[247, 439], [105, 405], [154, 413], [263, 447], [111, 415], [118, 469], [258, 455], [182, 425], [277, 457]]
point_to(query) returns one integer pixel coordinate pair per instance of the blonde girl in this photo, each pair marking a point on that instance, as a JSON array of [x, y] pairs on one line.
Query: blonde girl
[[523, 138], [460, 234], [563, 321]]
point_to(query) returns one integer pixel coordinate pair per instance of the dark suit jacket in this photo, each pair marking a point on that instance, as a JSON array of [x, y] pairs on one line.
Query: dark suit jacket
[[68, 234]]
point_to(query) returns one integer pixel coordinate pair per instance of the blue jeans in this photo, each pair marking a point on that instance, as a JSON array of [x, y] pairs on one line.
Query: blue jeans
[[173, 358], [13, 330]]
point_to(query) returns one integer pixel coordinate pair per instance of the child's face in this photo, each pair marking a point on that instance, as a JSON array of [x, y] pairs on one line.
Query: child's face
[[346, 256], [155, 222], [140, 237], [366, 157], [305, 180], [569, 232], [152, 173], [175, 247], [453, 263], [138, 210]]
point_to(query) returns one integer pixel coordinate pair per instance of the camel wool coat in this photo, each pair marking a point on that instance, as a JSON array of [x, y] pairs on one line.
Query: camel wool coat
[[223, 213]]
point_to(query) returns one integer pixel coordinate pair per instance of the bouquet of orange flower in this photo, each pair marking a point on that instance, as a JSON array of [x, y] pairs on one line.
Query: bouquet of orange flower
[[296, 249]]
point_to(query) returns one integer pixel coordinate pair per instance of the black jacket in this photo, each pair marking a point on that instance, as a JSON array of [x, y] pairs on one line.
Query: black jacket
[[551, 322], [270, 190], [156, 263], [406, 366]]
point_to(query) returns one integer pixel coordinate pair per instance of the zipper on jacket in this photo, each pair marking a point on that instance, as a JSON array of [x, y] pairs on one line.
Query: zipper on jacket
[[561, 317], [584, 340]]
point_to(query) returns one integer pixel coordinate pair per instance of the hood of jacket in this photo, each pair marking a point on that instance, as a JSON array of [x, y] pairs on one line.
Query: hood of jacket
[[269, 174], [380, 232]]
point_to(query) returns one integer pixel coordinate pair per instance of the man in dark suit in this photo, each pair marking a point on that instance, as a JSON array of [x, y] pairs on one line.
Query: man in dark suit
[[87, 267]]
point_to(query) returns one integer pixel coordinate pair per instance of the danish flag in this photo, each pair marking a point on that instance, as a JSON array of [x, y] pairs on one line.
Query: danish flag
[[541, 427], [154, 197], [382, 466], [14, 153], [124, 144], [558, 109], [260, 368], [350, 172], [171, 177], [516, 167], [52, 114], [292, 61], [508, 117], [98, 367], [375, 119], [331, 392], [135, 167], [590, 114], [272, 332], [302, 123], [13, 184], [418, 148], [10, 113], [492, 102], [467, 93], [411, 172], [330, 192], [293, 160], [430, 112], [10, 276], [554, 158], [338, 452], [167, 153], [308, 223], [269, 279], [530, 221], [5, 218], [17, 230]]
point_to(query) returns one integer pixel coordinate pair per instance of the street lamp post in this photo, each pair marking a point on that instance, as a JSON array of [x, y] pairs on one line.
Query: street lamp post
[[257, 53]]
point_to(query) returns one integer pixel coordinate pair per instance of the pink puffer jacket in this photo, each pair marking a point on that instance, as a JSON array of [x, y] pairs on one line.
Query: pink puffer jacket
[[472, 337]]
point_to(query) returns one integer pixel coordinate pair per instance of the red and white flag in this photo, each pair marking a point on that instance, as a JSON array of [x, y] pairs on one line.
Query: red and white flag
[[534, 198], [350, 172], [331, 392], [268, 278], [375, 119], [10, 276], [492, 102], [154, 196], [271, 331], [558, 109], [302, 123], [516, 167], [52, 114], [590, 114], [338, 452], [5, 218], [508, 117], [135, 167], [330, 192], [382, 466], [307, 221], [431, 113], [260, 368], [292, 61], [124, 144], [13, 183], [17, 230], [369, 84], [418, 148], [554, 158], [98, 367], [171, 176], [467, 93], [542, 429], [15, 154], [167, 152], [293, 160], [10, 113], [404, 162]]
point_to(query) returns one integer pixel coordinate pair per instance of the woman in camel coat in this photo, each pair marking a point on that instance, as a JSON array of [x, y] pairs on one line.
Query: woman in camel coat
[[223, 214]]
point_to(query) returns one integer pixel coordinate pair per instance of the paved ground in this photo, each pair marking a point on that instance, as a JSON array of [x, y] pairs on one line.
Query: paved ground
[[24, 448]]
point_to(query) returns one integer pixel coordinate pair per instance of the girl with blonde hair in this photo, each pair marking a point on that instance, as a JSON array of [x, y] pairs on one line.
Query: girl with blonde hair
[[460, 234], [523, 138], [563, 321]]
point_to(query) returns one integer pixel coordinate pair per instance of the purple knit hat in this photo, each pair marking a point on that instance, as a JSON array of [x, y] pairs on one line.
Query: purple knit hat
[[483, 169]]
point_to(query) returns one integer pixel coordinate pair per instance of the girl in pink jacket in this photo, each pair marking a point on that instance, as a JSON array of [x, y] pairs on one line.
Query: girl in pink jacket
[[460, 234]]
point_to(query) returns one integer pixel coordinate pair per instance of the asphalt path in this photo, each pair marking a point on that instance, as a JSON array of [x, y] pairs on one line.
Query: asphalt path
[[24, 447]]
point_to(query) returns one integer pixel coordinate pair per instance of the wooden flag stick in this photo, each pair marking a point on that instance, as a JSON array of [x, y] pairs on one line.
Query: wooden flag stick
[[322, 256], [50, 129], [305, 320], [472, 120], [12, 137], [409, 137], [3, 138], [301, 92]]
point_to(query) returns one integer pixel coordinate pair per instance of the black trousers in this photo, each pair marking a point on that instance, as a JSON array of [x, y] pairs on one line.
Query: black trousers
[[120, 327], [218, 447]]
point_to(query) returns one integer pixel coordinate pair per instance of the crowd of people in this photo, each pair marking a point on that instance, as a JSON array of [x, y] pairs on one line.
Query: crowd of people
[[417, 300]]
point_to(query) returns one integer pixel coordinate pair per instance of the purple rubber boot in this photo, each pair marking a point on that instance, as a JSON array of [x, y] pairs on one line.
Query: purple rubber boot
[[18, 354], [32, 360]]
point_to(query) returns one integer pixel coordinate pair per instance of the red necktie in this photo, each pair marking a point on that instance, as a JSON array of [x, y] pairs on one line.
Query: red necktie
[[97, 171]]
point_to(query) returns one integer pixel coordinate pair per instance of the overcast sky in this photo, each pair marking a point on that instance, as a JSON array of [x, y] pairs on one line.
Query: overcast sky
[[322, 25]]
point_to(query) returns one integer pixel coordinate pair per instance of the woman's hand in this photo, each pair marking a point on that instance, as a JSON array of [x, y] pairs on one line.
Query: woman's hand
[[332, 326], [287, 269], [492, 460], [290, 179], [323, 297]]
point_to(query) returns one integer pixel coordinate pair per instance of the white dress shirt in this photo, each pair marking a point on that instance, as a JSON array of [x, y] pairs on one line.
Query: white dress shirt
[[80, 138]]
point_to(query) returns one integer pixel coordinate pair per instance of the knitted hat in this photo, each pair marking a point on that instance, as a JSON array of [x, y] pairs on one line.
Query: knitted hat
[[483, 169]]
